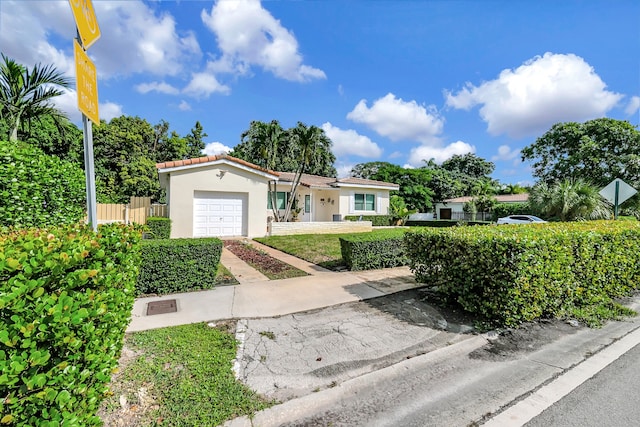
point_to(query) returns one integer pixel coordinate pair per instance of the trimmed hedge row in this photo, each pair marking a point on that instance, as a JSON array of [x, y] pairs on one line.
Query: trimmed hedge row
[[364, 251], [66, 296], [178, 265], [159, 227], [443, 223], [376, 220], [512, 274]]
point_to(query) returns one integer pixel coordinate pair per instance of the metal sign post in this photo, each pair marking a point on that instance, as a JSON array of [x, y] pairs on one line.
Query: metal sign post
[[617, 192], [87, 88]]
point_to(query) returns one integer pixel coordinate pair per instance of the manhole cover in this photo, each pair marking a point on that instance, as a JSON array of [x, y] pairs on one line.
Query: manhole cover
[[161, 307]]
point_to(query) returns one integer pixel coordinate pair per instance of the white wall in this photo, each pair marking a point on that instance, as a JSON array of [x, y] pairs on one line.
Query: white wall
[[183, 184]]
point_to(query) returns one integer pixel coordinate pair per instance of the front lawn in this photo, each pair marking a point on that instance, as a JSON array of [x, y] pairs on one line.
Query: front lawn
[[179, 376], [320, 249]]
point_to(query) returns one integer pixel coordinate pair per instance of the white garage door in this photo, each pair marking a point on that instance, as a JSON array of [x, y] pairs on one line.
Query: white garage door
[[219, 214]]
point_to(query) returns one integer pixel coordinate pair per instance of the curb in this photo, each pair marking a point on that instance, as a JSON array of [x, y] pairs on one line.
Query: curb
[[308, 405]]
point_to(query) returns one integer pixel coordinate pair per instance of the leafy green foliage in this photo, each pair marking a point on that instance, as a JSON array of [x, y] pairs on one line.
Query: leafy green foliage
[[398, 210], [270, 146], [66, 297], [37, 190], [569, 200], [178, 265], [159, 227], [26, 94], [470, 165], [513, 274], [376, 220], [598, 150], [365, 251], [187, 370]]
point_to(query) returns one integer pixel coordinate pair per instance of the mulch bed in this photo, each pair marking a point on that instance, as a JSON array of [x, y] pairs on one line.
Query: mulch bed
[[269, 266]]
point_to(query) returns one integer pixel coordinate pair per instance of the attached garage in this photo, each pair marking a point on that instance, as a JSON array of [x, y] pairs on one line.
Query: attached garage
[[217, 214]]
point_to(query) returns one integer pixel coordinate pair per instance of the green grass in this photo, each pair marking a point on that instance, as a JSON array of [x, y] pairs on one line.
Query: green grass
[[320, 249], [186, 370]]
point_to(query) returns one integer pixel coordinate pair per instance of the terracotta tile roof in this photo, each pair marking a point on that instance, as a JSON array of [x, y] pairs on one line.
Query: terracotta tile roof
[[210, 159], [502, 198], [312, 181], [315, 181]]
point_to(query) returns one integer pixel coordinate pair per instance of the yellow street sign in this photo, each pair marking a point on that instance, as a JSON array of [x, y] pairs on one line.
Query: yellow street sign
[[86, 84], [86, 21]]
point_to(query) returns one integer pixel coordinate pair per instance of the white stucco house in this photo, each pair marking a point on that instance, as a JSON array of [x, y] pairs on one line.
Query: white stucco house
[[453, 208], [223, 196]]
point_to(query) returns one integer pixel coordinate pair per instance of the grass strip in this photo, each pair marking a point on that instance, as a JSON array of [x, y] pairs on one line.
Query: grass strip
[[187, 377]]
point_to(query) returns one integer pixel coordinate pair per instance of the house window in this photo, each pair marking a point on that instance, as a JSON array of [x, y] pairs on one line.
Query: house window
[[365, 202], [307, 203], [281, 200]]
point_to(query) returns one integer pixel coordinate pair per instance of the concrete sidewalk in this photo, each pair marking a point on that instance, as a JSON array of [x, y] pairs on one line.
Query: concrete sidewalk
[[256, 296]]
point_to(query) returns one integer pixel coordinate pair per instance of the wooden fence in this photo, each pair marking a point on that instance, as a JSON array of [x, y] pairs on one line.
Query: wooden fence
[[137, 211]]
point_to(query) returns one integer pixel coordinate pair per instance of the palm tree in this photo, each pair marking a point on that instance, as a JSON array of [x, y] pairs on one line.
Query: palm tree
[[569, 200], [27, 94], [311, 141]]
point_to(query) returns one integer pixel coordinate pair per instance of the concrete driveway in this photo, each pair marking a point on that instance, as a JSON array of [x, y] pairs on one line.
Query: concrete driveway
[[298, 354]]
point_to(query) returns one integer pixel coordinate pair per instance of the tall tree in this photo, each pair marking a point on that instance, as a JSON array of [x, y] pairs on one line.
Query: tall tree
[[27, 94], [469, 164], [195, 141], [312, 148], [269, 145], [598, 150]]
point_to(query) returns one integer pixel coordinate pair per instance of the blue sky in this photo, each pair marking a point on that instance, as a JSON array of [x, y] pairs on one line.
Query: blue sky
[[397, 81]]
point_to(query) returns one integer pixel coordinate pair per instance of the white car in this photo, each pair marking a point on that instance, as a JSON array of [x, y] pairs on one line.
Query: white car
[[520, 219]]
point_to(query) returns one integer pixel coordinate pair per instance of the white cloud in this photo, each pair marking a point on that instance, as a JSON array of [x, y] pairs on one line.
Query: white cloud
[[184, 106], [505, 153], [68, 104], [109, 110], [202, 85], [400, 120], [247, 34], [160, 87], [346, 142], [213, 148], [135, 39], [633, 106], [539, 93], [343, 169], [419, 155]]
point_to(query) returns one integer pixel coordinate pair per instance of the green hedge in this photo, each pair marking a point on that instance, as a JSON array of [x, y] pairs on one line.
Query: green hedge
[[178, 265], [376, 220], [159, 227], [66, 297], [37, 190], [444, 223], [512, 274], [365, 251]]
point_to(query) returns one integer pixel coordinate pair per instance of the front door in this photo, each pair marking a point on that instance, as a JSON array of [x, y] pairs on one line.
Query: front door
[[445, 213]]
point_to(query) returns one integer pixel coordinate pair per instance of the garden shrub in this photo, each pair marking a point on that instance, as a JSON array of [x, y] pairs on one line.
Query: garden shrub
[[158, 227], [512, 274], [366, 251], [178, 265], [37, 190], [376, 220], [66, 297]]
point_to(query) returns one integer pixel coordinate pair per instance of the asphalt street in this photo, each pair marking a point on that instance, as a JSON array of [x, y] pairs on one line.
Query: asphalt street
[[609, 399]]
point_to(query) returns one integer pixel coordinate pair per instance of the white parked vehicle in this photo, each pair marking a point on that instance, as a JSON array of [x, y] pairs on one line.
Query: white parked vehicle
[[520, 219]]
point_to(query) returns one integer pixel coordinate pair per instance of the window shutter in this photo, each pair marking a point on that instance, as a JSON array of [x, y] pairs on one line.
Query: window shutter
[[379, 204], [352, 202]]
